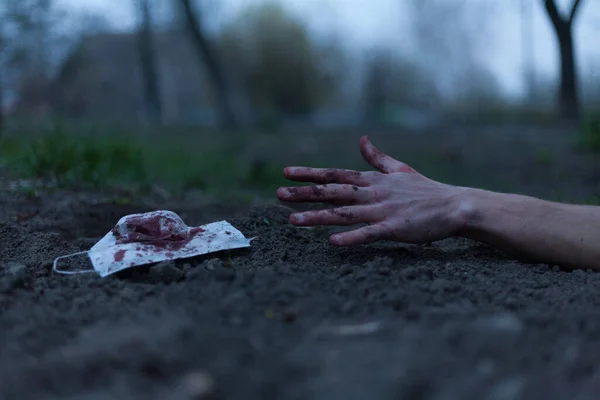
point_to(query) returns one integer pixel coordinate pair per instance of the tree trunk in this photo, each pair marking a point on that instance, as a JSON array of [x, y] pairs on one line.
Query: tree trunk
[[209, 58], [569, 95], [147, 53], [563, 27]]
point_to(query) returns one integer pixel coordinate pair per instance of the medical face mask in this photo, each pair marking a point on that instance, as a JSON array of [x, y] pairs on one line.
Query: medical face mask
[[147, 238]]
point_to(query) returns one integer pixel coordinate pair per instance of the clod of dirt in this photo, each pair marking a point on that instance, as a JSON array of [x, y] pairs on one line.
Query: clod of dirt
[[15, 276], [380, 263], [213, 264], [444, 285], [224, 274], [289, 316], [385, 271], [505, 323], [165, 272], [346, 269]]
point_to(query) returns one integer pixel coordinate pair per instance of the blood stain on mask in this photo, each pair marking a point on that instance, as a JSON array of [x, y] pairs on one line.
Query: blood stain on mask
[[119, 255]]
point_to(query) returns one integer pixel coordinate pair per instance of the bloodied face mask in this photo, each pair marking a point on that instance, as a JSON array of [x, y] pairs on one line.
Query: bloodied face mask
[[141, 239]]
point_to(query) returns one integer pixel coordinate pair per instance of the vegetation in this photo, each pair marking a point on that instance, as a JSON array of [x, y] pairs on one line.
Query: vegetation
[[62, 157], [281, 67], [590, 132]]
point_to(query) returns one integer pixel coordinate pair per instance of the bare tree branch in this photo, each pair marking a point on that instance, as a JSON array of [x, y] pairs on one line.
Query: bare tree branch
[[209, 57], [568, 95], [555, 17], [574, 10], [147, 54]]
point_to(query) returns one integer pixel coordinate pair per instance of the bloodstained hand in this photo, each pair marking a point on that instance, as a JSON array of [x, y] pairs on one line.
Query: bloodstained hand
[[396, 202]]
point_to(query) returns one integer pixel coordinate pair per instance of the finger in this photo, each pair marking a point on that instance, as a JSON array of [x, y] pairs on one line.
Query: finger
[[341, 216], [325, 175], [331, 193], [380, 160], [364, 235]]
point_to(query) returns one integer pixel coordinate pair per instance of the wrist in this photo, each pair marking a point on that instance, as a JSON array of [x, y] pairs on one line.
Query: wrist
[[483, 213], [468, 209]]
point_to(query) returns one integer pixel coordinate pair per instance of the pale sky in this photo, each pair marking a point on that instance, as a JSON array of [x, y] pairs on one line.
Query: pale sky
[[363, 23]]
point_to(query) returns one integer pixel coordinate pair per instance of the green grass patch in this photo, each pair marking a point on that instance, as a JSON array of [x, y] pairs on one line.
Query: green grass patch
[[544, 157], [590, 132], [90, 159]]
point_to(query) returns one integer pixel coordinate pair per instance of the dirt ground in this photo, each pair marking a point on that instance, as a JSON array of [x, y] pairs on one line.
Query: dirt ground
[[288, 318]]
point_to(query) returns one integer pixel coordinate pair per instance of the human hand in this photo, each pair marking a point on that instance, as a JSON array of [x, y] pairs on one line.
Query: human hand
[[397, 203]]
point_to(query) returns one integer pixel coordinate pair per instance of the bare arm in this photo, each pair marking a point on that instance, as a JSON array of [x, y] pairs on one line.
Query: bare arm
[[564, 234], [398, 203]]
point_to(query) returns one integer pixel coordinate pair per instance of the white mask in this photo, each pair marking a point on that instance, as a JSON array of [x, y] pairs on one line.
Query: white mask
[[147, 238]]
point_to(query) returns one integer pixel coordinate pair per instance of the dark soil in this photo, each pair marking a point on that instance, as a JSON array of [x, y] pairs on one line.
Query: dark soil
[[289, 318]]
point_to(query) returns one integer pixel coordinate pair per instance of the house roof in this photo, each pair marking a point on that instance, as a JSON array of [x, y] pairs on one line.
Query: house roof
[[103, 75]]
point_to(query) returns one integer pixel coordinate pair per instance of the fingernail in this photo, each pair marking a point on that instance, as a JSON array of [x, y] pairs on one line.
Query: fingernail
[[283, 192], [297, 218], [335, 240]]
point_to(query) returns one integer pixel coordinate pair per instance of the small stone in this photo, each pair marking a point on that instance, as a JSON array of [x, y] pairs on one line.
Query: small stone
[[555, 268], [199, 385], [385, 271]]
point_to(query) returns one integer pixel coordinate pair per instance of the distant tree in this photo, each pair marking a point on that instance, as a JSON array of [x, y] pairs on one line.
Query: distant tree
[[569, 101], [210, 59], [2, 67], [281, 67], [450, 38], [28, 41], [394, 80], [148, 63]]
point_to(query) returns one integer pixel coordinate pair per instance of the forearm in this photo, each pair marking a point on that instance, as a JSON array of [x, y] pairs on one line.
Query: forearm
[[542, 231]]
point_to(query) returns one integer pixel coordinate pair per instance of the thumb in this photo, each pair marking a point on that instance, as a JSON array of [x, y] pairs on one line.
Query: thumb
[[380, 160]]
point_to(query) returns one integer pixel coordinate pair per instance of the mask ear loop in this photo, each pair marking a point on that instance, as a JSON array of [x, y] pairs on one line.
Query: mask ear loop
[[55, 265]]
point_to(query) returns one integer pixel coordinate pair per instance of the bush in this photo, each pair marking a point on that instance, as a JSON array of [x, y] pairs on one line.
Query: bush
[[590, 132], [281, 68]]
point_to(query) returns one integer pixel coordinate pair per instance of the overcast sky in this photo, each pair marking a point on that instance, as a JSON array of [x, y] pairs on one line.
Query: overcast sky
[[368, 22]]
